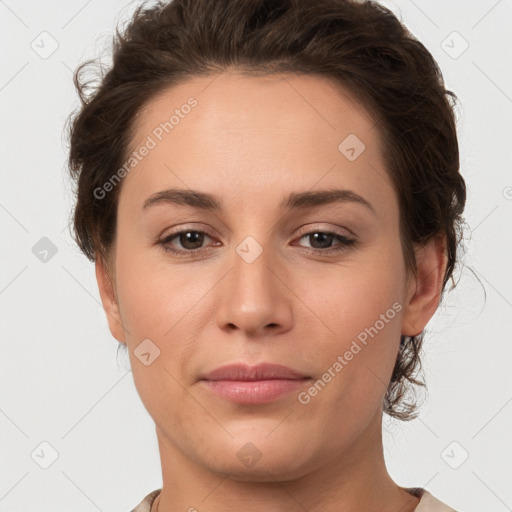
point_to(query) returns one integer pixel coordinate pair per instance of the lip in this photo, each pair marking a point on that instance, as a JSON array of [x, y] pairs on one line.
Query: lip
[[258, 384], [244, 372]]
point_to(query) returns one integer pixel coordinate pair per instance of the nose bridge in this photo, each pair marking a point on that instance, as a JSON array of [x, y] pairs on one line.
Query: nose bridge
[[253, 282], [253, 297], [253, 245]]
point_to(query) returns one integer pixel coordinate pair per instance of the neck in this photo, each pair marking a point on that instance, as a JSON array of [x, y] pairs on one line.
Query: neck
[[354, 480]]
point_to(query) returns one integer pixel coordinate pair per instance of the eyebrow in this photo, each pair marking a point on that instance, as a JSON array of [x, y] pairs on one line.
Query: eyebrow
[[295, 201]]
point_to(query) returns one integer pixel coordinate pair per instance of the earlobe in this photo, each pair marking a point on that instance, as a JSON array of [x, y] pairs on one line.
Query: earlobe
[[426, 287], [109, 300]]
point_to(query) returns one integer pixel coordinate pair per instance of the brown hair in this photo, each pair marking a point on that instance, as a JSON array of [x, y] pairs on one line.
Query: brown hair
[[361, 45]]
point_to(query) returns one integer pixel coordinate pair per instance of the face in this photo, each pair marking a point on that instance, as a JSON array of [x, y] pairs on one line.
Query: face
[[277, 273]]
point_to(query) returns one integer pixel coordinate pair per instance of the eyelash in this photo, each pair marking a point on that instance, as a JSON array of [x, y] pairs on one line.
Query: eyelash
[[344, 243]]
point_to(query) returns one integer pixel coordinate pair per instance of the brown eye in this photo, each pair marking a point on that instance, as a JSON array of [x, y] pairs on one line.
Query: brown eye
[[190, 241], [321, 242]]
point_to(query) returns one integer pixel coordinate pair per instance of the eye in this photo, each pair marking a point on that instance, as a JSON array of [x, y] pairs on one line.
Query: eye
[[320, 242], [190, 240]]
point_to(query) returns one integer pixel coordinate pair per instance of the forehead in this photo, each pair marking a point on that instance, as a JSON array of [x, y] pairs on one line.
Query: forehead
[[231, 101], [230, 132]]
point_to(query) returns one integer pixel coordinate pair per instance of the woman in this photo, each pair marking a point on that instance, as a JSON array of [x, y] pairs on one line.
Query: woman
[[270, 191]]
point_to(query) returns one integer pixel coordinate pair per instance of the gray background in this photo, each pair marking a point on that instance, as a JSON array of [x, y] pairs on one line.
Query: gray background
[[60, 383]]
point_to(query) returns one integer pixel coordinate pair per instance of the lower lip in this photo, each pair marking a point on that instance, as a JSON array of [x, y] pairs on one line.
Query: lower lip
[[254, 392]]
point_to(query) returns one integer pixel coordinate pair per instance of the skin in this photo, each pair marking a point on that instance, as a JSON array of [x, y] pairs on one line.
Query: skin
[[252, 141]]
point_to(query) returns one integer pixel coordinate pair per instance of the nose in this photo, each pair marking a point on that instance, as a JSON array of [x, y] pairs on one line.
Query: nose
[[253, 297]]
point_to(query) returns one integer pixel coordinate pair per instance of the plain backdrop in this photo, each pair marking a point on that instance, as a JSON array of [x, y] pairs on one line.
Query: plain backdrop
[[74, 433]]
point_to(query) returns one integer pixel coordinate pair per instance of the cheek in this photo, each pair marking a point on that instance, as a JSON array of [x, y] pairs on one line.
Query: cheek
[[355, 297], [157, 310], [166, 305], [359, 345], [356, 329], [157, 300]]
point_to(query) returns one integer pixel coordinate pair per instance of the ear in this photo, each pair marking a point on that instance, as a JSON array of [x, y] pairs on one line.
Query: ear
[[424, 290], [109, 300]]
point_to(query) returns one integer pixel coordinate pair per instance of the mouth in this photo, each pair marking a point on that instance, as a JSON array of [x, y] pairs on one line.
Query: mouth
[[258, 384]]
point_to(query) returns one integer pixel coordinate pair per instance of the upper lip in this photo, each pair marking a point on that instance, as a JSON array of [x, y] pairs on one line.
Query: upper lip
[[244, 372]]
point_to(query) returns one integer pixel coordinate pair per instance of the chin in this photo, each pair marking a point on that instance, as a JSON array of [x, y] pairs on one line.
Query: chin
[[273, 471], [258, 460]]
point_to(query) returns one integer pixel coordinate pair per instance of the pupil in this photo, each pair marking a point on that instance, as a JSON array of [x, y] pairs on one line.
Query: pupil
[[321, 236], [191, 240]]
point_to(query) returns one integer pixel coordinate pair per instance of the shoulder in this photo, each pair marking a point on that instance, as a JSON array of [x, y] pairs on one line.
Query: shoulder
[[429, 503], [145, 504]]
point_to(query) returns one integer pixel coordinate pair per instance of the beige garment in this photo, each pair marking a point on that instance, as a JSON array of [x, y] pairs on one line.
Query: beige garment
[[428, 503], [145, 504]]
